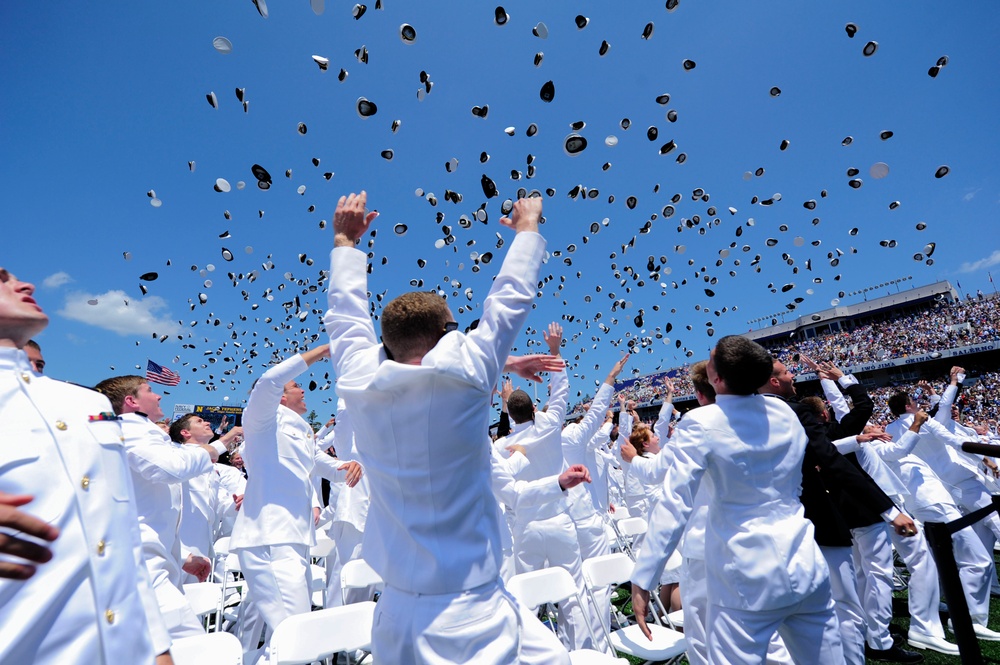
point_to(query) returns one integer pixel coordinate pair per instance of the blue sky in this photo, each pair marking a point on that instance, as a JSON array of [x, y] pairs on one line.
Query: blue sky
[[104, 102]]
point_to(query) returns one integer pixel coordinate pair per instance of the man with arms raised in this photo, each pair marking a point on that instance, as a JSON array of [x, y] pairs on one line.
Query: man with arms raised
[[421, 403]]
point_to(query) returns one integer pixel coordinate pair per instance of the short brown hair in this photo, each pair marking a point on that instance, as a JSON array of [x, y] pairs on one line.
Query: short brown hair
[[117, 388], [519, 407], [413, 323], [178, 425], [699, 377], [640, 436], [744, 365], [815, 404]]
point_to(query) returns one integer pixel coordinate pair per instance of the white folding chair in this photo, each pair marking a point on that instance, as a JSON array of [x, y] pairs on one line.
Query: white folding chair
[[357, 574], [221, 549], [205, 599], [305, 638], [667, 645], [322, 549], [591, 657], [626, 530], [234, 587], [208, 649], [550, 586], [318, 575]]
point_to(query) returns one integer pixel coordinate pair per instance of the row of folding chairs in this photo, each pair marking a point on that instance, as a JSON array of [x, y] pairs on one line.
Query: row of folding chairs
[[555, 585], [298, 640]]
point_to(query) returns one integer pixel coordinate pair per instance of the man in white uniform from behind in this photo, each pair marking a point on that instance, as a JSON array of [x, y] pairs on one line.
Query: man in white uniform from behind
[[420, 404], [764, 571]]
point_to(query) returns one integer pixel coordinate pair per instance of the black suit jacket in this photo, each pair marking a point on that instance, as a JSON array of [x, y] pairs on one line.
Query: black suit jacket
[[828, 478], [856, 512]]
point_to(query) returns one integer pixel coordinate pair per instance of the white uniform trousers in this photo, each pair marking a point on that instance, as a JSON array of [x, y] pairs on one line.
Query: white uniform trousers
[[694, 598], [809, 629], [552, 542], [924, 594], [974, 562], [593, 542], [970, 495], [694, 602], [278, 582], [347, 547], [873, 567], [175, 609], [847, 604], [481, 626]]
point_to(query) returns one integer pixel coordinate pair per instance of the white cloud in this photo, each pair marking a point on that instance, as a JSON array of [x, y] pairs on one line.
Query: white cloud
[[971, 194], [117, 312], [56, 280], [991, 260]]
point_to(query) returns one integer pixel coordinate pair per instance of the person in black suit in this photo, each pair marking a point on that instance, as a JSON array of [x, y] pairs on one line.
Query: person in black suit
[[838, 496]]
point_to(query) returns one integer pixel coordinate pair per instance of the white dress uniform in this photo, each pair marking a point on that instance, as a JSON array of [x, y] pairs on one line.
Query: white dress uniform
[[588, 503], [159, 467], [206, 506], [929, 500], [92, 603], [274, 528], [233, 483], [544, 535], [433, 533], [349, 514], [764, 571]]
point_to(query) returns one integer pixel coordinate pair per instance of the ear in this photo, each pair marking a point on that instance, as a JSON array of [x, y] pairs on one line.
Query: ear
[[130, 402], [284, 400]]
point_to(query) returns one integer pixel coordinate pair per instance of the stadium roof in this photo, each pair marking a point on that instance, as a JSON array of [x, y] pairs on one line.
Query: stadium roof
[[840, 312]]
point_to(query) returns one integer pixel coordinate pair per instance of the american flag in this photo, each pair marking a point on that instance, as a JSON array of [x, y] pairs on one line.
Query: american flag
[[158, 374]]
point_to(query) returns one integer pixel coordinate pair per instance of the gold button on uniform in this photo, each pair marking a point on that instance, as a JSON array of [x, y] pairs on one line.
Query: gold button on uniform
[[85, 482], [60, 425], [100, 547], [25, 377], [110, 616]]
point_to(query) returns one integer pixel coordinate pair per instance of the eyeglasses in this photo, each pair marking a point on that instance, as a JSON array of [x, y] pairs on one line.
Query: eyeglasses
[[451, 326]]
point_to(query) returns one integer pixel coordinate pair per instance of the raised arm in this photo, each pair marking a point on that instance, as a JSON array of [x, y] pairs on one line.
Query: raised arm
[[943, 414], [580, 434], [558, 381], [666, 410], [270, 387], [509, 301], [347, 320]]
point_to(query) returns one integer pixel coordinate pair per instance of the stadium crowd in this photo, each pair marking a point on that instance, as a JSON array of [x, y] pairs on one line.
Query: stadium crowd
[[765, 518]]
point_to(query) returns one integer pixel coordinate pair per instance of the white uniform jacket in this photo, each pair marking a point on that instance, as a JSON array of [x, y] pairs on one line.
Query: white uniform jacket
[[158, 467], [579, 447], [206, 506], [432, 524], [939, 448], [760, 553], [92, 603], [922, 483], [279, 453]]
